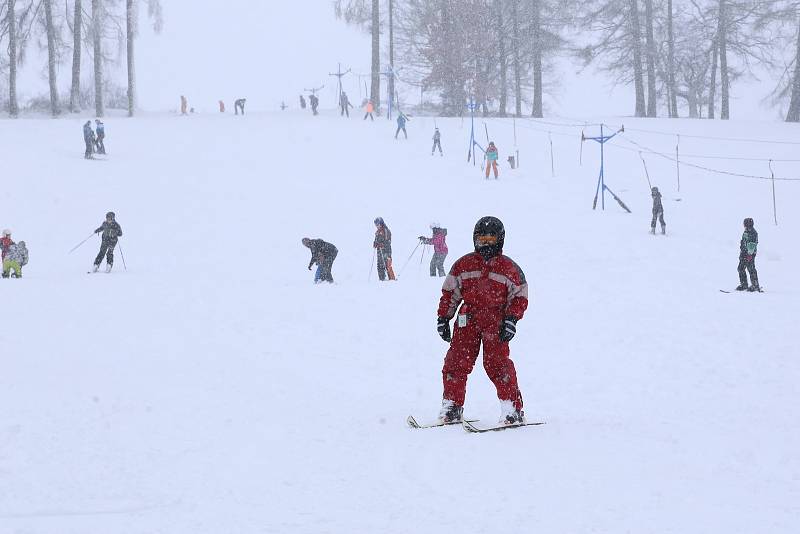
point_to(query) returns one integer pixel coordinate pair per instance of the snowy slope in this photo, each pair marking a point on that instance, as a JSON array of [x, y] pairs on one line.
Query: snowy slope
[[213, 388]]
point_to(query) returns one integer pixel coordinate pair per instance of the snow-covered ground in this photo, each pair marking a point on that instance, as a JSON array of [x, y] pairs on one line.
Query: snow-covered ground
[[213, 388]]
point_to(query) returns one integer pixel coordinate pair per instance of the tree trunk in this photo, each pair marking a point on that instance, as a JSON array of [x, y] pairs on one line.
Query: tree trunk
[[75, 90], [515, 48], [51, 57], [501, 51], [130, 16], [724, 112], [652, 97], [673, 97], [793, 115], [712, 90], [97, 29], [13, 107], [638, 75], [537, 59], [391, 53], [375, 90]]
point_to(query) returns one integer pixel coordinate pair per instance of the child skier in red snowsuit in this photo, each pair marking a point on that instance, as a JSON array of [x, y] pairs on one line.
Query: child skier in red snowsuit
[[493, 295]]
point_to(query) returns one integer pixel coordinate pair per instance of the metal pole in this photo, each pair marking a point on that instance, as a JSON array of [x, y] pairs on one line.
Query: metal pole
[[647, 174], [514, 121], [552, 161], [678, 161], [774, 205], [371, 263], [121, 255], [602, 169]]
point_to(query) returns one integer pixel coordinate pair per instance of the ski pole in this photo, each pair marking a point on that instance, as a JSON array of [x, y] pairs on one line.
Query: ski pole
[[79, 244], [422, 258], [409, 258], [371, 263], [121, 255]]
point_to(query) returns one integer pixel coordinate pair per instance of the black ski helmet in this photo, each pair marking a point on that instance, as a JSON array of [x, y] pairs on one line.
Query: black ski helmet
[[489, 226], [748, 223], [110, 215]]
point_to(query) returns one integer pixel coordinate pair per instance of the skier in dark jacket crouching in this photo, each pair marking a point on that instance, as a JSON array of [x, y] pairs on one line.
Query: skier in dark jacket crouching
[[323, 254]]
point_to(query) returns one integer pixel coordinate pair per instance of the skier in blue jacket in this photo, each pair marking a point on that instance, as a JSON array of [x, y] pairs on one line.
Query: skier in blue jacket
[[101, 134], [401, 124]]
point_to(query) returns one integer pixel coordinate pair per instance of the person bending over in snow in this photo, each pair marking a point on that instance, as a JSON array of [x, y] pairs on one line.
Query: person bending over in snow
[[101, 134], [401, 124], [439, 248], [89, 139], [314, 101], [239, 105], [302, 102], [493, 295], [323, 254], [491, 160], [748, 247], [15, 260], [5, 243], [111, 232], [383, 248], [437, 142], [658, 212]]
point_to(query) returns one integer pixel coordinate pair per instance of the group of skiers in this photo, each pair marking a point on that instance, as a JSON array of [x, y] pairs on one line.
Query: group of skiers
[[323, 253], [313, 101], [94, 140]]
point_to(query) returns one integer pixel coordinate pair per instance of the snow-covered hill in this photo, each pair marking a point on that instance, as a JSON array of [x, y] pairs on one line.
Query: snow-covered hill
[[212, 387]]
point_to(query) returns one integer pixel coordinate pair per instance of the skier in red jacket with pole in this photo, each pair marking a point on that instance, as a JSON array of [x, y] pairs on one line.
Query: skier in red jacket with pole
[[493, 295]]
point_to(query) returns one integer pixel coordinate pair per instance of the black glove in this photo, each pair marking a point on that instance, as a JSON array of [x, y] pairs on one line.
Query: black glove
[[443, 327], [508, 329]]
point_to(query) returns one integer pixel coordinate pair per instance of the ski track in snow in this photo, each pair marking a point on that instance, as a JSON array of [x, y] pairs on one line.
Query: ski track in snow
[[212, 387]]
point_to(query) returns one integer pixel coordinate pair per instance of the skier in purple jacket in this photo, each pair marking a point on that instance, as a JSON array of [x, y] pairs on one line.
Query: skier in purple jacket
[[439, 248]]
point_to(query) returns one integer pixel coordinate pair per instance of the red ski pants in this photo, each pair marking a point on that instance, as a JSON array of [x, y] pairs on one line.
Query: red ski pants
[[483, 327]]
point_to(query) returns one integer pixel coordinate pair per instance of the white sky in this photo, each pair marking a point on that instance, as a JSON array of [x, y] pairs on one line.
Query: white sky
[[269, 51]]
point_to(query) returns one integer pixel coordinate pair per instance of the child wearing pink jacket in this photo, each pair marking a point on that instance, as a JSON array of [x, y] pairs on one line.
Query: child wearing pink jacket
[[439, 248]]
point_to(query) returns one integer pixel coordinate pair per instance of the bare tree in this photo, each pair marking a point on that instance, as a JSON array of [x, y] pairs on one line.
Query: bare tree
[[75, 89], [502, 58], [51, 57], [515, 50], [536, 58], [367, 15], [793, 114], [11, 15], [673, 97], [617, 46], [650, 50], [97, 39]]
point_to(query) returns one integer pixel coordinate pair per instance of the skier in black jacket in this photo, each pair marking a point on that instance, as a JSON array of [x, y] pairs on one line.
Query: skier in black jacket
[[323, 254], [658, 212], [90, 139], [748, 247], [111, 231]]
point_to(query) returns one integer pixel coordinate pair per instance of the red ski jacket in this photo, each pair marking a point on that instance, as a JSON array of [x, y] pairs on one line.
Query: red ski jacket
[[497, 285]]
